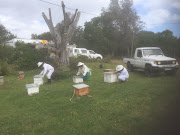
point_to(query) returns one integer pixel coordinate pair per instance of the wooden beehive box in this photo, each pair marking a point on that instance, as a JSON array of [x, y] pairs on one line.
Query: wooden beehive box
[[81, 89], [38, 79], [77, 79], [110, 77], [32, 88], [1, 80]]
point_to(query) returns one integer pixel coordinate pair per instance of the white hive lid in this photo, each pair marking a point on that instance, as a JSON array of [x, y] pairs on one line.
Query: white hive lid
[[80, 86], [109, 72], [21, 72], [31, 85], [77, 76], [38, 76]]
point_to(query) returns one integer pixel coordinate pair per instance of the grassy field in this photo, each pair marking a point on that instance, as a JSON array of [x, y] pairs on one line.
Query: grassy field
[[141, 106]]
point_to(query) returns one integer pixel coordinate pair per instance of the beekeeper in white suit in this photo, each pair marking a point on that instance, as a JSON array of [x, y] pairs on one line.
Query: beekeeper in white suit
[[84, 71], [122, 73], [47, 70]]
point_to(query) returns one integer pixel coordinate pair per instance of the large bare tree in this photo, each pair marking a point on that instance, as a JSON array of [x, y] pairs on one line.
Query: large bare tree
[[63, 37]]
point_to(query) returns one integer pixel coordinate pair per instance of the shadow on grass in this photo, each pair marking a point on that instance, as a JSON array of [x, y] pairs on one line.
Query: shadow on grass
[[141, 73]]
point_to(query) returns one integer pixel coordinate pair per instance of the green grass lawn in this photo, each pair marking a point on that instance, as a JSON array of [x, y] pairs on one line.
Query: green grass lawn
[[141, 106]]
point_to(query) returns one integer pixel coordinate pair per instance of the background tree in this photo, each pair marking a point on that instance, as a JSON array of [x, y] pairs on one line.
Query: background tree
[[78, 37], [5, 35], [93, 33], [113, 32], [165, 40], [123, 22], [44, 36], [62, 35]]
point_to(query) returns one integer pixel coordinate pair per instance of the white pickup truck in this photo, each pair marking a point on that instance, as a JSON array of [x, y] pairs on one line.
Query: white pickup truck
[[152, 60], [83, 51]]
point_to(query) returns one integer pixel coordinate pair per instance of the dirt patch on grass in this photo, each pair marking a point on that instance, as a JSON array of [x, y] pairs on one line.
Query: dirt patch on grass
[[3, 87], [117, 61]]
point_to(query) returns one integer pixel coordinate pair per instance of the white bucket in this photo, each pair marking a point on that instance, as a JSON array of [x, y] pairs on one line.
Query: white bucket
[[110, 77], [32, 88], [77, 79], [38, 79]]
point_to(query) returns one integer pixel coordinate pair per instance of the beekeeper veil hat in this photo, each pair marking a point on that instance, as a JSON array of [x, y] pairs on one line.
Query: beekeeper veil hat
[[119, 68], [39, 64], [80, 64]]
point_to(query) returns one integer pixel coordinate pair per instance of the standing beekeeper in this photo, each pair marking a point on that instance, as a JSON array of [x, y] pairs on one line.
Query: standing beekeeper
[[122, 73], [84, 71], [47, 70]]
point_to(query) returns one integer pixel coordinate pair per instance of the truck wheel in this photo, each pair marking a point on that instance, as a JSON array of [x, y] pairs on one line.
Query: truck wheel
[[148, 71], [130, 67], [98, 58], [171, 72]]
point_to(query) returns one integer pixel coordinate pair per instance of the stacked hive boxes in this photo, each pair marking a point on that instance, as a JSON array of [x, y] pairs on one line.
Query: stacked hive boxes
[[80, 89], [34, 87]]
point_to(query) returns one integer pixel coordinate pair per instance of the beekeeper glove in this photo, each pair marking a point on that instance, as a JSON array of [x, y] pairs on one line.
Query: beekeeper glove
[[82, 76]]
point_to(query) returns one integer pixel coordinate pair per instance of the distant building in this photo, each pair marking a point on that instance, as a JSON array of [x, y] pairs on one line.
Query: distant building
[[39, 43]]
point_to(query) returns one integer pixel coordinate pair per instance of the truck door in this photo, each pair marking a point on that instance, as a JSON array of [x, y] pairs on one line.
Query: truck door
[[76, 52], [84, 52], [139, 59], [92, 54]]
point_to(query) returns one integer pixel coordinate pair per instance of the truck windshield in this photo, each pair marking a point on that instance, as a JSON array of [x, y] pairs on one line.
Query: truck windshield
[[84, 51], [147, 52], [91, 52]]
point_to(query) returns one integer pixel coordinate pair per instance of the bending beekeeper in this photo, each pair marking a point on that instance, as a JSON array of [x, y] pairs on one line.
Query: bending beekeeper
[[122, 73], [47, 70], [84, 71]]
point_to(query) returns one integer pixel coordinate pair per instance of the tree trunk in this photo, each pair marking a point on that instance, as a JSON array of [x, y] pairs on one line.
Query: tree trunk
[[61, 39], [64, 58], [132, 44]]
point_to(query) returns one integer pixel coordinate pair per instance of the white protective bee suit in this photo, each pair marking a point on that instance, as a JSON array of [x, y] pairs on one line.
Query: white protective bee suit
[[122, 73], [47, 69], [83, 69]]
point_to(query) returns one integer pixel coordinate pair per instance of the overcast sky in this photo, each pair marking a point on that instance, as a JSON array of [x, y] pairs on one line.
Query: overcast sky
[[24, 17]]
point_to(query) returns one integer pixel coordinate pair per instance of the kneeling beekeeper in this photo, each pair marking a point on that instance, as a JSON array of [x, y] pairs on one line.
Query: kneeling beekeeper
[[47, 70], [84, 70], [122, 73]]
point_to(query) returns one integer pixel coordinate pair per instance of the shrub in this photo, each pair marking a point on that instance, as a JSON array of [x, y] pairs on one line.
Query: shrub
[[57, 75], [27, 56], [3, 68], [6, 53], [107, 59], [73, 63]]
